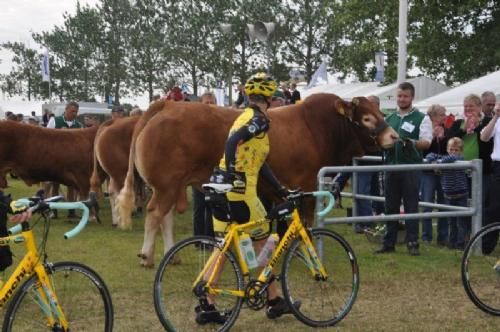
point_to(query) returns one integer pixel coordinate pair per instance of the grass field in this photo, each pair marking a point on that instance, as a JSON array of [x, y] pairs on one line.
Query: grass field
[[397, 292]]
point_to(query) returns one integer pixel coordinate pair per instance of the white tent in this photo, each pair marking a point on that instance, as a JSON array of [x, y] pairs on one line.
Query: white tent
[[453, 98], [424, 88]]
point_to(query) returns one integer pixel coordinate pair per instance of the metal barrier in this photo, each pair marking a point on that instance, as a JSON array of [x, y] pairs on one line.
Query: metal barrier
[[474, 210]]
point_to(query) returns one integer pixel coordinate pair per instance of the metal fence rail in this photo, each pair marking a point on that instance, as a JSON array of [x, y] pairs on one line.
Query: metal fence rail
[[474, 210]]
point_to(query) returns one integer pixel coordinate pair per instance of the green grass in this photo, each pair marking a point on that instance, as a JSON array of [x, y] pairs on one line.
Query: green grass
[[397, 292]]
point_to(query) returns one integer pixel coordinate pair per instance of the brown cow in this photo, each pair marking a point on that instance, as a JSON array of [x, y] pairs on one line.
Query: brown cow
[[180, 145], [39, 154], [111, 154]]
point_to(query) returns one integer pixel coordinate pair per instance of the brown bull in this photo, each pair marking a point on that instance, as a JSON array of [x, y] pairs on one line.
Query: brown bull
[[111, 154], [37, 154], [181, 145]]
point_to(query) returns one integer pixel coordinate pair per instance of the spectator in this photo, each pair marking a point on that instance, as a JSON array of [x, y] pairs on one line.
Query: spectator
[[117, 112], [488, 100], [45, 117], [10, 116], [469, 130], [66, 121], [415, 130], [19, 117], [364, 186], [295, 93], [492, 132], [90, 121], [278, 99], [136, 111], [455, 189], [174, 94], [286, 92], [242, 100], [202, 214], [430, 187], [33, 121]]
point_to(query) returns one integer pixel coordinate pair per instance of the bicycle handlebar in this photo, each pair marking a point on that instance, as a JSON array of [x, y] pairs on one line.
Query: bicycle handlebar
[[36, 205], [321, 193]]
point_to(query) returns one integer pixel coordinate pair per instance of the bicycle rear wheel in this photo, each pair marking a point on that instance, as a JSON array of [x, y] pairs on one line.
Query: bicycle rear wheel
[[174, 299], [323, 302], [82, 294], [481, 269]]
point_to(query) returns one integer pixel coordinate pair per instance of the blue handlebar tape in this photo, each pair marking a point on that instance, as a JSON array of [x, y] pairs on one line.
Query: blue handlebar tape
[[69, 206], [63, 206], [331, 202]]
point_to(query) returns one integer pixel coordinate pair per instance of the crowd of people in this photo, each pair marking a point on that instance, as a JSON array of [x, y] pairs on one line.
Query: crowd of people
[[433, 138]]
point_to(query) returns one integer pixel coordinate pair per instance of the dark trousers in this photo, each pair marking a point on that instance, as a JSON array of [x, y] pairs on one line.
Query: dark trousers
[[493, 209], [202, 215], [460, 227], [401, 186]]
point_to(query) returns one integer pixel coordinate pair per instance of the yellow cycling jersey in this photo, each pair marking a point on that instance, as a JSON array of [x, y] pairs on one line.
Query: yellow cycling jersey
[[246, 151]]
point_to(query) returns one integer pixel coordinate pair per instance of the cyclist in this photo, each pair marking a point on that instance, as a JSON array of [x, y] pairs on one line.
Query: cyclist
[[19, 216], [244, 159]]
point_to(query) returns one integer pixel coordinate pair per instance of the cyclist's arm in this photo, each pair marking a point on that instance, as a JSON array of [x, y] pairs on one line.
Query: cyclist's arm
[[252, 128], [267, 173]]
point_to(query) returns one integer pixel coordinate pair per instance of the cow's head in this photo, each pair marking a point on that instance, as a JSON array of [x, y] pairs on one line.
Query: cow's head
[[367, 117]]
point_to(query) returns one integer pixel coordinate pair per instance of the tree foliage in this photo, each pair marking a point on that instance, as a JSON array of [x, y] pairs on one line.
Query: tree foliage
[[123, 47]]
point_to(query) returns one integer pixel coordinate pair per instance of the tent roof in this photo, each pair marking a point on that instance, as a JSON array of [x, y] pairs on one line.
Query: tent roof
[[453, 98], [424, 88]]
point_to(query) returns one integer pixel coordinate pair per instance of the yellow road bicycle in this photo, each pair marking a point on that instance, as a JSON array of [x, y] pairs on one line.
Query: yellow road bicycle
[[62, 296], [319, 269]]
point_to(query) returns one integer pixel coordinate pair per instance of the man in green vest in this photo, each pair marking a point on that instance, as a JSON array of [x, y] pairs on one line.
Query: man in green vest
[[415, 130], [66, 121]]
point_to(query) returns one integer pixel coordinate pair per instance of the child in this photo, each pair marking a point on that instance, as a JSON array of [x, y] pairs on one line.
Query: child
[[455, 190]]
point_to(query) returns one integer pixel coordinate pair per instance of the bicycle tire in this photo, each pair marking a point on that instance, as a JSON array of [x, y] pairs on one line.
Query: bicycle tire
[[173, 295], [82, 294], [323, 303], [480, 270]]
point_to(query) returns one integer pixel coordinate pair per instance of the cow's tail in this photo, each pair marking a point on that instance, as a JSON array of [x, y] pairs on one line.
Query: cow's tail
[[126, 198]]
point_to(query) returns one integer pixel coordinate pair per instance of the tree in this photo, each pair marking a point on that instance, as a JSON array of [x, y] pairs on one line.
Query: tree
[[25, 76], [455, 42]]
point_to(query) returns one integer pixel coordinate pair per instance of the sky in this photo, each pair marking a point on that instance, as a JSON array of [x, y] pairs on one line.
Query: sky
[[19, 18]]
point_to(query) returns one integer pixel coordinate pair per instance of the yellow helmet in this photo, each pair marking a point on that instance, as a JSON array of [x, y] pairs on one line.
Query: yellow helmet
[[261, 84]]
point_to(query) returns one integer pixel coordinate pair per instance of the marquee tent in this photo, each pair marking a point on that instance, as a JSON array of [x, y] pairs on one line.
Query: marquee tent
[[453, 98], [424, 88]]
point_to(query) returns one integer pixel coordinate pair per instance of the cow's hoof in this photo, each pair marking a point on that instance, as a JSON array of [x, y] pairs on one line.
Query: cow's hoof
[[147, 265], [142, 256], [114, 225]]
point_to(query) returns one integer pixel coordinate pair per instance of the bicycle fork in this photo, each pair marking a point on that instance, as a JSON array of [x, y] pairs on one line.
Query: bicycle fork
[[46, 299], [307, 252]]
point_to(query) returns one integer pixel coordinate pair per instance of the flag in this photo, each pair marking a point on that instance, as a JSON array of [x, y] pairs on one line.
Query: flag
[[379, 64], [44, 66], [319, 77]]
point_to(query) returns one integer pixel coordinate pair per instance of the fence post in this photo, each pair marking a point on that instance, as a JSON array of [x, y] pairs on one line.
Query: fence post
[[477, 195]]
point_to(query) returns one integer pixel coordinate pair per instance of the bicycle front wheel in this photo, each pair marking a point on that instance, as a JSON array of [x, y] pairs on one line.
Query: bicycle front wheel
[[481, 269], [83, 298], [175, 301], [322, 302]]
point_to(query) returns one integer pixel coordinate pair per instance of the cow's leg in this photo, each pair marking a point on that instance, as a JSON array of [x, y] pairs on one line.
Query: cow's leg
[[115, 215], [158, 206], [167, 231], [151, 227]]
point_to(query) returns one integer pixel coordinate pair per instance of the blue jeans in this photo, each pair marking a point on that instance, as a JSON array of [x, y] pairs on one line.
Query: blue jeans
[[430, 191], [401, 186], [460, 227]]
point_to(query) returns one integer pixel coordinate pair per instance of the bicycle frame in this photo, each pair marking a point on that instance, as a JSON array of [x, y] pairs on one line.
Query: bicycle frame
[[295, 230], [32, 263]]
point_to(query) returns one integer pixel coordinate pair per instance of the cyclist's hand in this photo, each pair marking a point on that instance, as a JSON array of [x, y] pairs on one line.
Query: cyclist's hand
[[20, 217], [285, 193]]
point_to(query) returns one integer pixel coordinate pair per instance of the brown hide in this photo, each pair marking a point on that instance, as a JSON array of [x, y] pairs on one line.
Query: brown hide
[[111, 152], [181, 144], [38, 154]]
